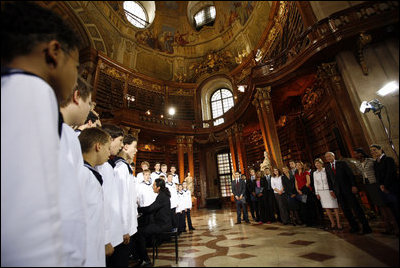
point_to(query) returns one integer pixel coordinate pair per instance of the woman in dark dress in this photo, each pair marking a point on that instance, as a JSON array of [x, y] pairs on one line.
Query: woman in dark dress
[[288, 182], [161, 212], [259, 193]]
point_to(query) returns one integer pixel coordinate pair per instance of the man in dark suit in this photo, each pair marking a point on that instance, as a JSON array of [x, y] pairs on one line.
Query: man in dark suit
[[341, 180], [239, 191]]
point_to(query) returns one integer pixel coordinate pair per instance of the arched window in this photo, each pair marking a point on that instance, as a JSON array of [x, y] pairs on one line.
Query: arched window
[[136, 14], [205, 16], [221, 102]]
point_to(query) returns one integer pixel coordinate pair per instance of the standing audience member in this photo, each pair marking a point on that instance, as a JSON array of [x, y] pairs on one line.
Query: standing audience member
[[280, 196], [188, 205], [161, 213], [95, 145], [387, 177], [306, 196], [112, 207], [343, 184], [39, 60], [272, 206], [239, 191], [251, 199], [292, 165], [259, 189], [288, 182], [73, 211], [325, 194]]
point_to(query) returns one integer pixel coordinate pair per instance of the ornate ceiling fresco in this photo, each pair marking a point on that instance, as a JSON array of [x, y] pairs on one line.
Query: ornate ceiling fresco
[[171, 48]]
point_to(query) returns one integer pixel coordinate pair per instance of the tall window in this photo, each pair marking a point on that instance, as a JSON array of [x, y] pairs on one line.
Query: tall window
[[225, 173], [136, 14], [221, 102], [206, 16]]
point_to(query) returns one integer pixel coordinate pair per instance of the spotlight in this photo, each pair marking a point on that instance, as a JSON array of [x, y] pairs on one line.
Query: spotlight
[[148, 112], [171, 111], [241, 88], [373, 105], [388, 88]]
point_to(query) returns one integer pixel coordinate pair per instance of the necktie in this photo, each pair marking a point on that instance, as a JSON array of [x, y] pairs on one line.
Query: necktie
[[333, 168]]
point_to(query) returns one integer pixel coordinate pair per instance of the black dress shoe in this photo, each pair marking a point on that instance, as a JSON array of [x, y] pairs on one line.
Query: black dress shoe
[[354, 230], [366, 231], [192, 229], [238, 222], [247, 221], [146, 264]]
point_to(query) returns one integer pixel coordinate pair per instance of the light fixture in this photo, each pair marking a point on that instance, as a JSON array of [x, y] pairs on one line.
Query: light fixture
[[162, 116], [388, 88], [241, 88], [148, 112], [258, 55], [373, 105], [171, 111], [377, 107]]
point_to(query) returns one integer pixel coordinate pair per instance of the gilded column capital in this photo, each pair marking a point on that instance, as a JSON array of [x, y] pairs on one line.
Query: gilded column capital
[[264, 97], [180, 139], [329, 70], [189, 140]]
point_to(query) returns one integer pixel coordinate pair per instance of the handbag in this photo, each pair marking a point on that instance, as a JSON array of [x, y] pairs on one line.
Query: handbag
[[259, 190], [302, 198]]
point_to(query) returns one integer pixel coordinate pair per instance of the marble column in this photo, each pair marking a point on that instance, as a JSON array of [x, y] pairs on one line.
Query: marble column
[[237, 129], [189, 141], [181, 160], [232, 148], [262, 101]]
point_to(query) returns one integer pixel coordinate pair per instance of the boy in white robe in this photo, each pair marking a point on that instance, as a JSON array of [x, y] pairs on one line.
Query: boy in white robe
[[112, 207], [72, 181], [95, 144], [174, 199], [156, 173], [39, 69], [127, 185], [188, 205], [139, 177], [180, 210], [175, 177], [164, 171], [145, 193]]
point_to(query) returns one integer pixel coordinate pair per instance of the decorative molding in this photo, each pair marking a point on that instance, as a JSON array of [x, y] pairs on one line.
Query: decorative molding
[[362, 42]]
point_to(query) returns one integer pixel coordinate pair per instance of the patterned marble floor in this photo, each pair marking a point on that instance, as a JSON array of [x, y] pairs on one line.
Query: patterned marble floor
[[218, 242]]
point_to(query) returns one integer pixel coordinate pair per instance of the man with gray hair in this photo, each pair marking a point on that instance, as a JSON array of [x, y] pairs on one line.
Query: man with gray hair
[[341, 181]]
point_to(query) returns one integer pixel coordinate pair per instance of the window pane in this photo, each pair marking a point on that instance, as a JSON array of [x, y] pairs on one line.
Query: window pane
[[228, 103], [137, 14], [225, 173]]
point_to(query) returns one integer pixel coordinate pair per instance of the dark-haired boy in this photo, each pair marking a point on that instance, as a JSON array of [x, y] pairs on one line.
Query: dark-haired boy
[[39, 61], [95, 145], [73, 211], [128, 191], [156, 173], [92, 120], [112, 207], [175, 177]]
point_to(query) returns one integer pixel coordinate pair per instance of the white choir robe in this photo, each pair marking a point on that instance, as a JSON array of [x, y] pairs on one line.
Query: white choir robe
[[154, 175], [30, 213], [145, 194], [139, 177], [128, 197], [112, 207], [175, 179], [181, 202], [72, 197], [188, 199], [95, 250], [174, 194]]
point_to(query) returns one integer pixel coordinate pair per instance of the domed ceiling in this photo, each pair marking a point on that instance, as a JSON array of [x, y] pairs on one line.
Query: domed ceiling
[[170, 48]]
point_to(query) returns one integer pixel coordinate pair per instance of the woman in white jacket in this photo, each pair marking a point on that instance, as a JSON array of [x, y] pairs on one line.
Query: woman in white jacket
[[326, 195]]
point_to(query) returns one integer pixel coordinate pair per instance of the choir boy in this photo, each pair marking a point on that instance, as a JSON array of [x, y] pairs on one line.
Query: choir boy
[[145, 193], [164, 170], [174, 199], [95, 145], [156, 174], [127, 184], [175, 178], [188, 205], [180, 210], [112, 207], [71, 173], [139, 177], [39, 61]]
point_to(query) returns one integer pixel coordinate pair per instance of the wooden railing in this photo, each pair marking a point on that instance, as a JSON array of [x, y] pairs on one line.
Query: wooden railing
[[338, 26]]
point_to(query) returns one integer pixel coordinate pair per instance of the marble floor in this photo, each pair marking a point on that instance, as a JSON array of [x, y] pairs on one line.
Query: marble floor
[[218, 242]]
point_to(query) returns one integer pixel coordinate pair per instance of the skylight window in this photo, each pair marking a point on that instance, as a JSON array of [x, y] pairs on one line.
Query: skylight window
[[206, 16], [136, 14]]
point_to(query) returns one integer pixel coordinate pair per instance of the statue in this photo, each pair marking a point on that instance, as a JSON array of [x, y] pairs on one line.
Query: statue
[[189, 181], [266, 163]]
